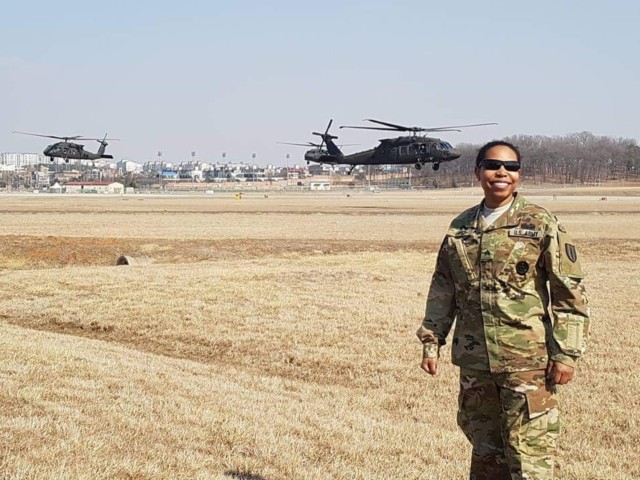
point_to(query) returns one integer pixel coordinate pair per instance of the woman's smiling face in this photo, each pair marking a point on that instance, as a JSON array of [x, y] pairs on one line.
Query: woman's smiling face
[[498, 185]]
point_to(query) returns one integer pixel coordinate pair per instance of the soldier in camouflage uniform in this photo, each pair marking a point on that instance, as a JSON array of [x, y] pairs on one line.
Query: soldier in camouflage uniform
[[509, 275]]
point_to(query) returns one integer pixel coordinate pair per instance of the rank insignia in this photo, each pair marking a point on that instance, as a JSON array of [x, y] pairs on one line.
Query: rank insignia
[[522, 267], [571, 252]]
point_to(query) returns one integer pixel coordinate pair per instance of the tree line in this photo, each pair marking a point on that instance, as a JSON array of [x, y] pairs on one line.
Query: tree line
[[577, 158]]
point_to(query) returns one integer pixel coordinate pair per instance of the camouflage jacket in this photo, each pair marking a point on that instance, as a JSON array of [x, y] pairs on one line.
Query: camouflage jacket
[[514, 289]]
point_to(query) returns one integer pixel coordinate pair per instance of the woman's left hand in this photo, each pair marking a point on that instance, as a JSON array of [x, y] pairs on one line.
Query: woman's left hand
[[559, 373]]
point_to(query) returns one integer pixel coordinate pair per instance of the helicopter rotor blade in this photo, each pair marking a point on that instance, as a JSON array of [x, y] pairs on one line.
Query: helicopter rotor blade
[[103, 140], [308, 144], [369, 128], [436, 130], [98, 139], [402, 128], [328, 126], [392, 125], [456, 127], [75, 137], [326, 132], [67, 138]]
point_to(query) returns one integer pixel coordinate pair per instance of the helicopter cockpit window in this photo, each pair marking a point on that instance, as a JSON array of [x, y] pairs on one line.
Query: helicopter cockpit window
[[447, 145]]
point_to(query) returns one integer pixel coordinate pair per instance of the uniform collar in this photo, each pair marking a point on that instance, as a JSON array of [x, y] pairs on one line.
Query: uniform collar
[[507, 219]]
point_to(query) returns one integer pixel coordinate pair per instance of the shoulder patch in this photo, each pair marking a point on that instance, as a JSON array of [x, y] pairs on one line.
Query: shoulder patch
[[571, 252]]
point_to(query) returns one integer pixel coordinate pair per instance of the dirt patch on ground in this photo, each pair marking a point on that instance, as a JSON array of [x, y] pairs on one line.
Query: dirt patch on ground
[[29, 253]]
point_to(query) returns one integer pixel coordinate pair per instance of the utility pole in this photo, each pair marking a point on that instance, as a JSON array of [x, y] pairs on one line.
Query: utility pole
[[287, 157], [193, 166], [225, 169], [160, 168], [253, 168]]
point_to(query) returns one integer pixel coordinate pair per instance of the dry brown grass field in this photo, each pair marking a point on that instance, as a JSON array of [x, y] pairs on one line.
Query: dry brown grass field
[[273, 337]]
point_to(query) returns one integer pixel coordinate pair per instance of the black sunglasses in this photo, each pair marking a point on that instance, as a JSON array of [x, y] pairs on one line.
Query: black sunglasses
[[490, 164]]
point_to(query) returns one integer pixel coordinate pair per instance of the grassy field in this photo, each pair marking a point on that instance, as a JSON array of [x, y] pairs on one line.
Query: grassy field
[[274, 337]]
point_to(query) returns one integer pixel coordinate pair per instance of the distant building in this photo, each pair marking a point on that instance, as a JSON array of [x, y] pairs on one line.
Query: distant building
[[21, 160], [169, 174], [319, 186], [9, 159], [320, 169], [40, 179], [156, 166], [94, 187], [127, 166]]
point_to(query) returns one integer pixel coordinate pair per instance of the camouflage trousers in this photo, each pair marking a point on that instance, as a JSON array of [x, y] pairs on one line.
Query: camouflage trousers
[[512, 421]]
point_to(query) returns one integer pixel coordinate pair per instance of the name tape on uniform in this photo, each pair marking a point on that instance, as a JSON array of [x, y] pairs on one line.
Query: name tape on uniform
[[525, 232]]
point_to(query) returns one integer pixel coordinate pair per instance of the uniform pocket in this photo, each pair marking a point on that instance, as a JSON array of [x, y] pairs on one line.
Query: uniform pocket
[[462, 417], [460, 263], [521, 265], [540, 401], [569, 333], [531, 424], [542, 427]]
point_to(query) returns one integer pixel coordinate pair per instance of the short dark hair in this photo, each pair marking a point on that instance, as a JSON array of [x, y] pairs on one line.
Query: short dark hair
[[495, 143]]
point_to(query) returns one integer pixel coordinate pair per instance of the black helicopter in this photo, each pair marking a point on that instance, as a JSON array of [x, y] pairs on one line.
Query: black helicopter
[[72, 151], [415, 149]]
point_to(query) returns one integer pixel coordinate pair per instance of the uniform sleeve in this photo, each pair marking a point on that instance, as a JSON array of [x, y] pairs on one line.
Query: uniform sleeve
[[569, 306], [440, 311]]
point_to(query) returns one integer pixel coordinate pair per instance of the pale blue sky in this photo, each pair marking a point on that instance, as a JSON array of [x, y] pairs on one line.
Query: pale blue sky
[[237, 77]]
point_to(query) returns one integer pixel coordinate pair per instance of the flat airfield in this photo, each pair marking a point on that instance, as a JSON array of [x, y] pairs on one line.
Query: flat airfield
[[272, 336]]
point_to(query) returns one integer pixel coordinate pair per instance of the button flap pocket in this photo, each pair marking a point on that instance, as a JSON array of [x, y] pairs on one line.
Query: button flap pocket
[[540, 401], [460, 262]]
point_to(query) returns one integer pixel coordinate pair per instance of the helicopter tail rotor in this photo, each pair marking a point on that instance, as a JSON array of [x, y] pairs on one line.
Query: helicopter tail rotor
[[103, 145], [326, 132], [103, 141], [327, 139], [325, 136]]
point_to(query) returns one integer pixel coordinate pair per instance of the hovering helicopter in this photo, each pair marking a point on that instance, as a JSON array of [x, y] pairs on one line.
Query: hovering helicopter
[[72, 151], [415, 149]]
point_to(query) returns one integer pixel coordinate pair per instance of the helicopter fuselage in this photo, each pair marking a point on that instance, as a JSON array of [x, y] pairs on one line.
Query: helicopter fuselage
[[74, 151], [400, 150]]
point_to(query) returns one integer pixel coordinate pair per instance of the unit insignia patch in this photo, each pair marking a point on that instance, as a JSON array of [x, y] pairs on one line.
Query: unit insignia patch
[[522, 267], [571, 252]]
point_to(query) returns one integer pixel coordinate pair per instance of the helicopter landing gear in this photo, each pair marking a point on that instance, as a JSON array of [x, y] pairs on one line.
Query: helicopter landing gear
[[436, 166], [418, 166]]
